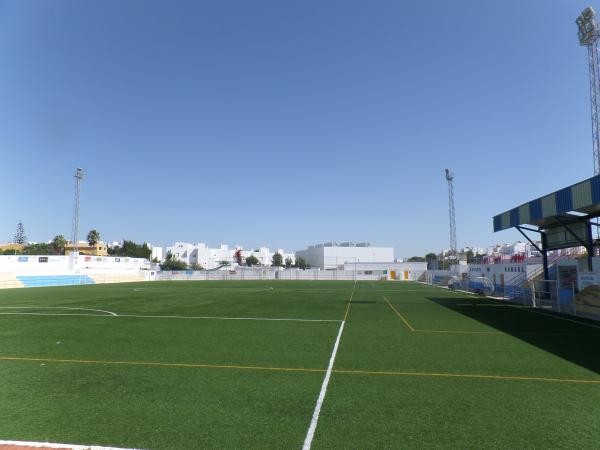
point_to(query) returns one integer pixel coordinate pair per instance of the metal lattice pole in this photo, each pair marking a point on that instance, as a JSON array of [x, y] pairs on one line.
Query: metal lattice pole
[[588, 35], [75, 228], [450, 180], [594, 99]]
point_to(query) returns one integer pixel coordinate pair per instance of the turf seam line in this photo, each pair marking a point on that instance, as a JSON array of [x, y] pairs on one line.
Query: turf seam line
[[348, 307], [406, 322]]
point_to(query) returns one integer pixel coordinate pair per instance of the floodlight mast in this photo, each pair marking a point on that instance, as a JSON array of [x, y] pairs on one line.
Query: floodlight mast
[[589, 35], [75, 229], [450, 180]]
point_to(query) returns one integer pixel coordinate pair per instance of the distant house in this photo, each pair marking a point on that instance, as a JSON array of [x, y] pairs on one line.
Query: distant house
[[12, 246], [100, 249]]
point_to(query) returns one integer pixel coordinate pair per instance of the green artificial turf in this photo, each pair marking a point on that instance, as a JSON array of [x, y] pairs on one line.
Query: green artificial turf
[[417, 367]]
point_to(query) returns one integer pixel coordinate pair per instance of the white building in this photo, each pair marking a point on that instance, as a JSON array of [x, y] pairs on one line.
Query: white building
[[156, 253], [211, 258], [332, 255]]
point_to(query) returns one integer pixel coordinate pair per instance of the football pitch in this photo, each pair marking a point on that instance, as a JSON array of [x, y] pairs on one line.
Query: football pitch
[[279, 364]]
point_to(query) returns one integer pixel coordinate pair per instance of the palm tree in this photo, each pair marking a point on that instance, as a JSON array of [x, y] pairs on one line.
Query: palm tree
[[93, 237], [58, 244]]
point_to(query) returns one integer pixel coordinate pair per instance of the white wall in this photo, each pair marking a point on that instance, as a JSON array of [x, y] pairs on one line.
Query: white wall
[[414, 269], [157, 252], [331, 257], [55, 264]]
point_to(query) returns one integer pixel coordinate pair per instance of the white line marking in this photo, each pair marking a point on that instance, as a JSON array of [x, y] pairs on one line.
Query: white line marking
[[559, 317], [170, 317], [52, 445], [315, 418], [229, 318], [158, 288], [60, 307]]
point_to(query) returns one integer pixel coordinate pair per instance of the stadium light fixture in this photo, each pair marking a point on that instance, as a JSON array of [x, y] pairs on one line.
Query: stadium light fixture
[[588, 26]]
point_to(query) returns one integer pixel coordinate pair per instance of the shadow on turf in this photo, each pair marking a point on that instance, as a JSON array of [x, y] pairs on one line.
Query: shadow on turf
[[577, 343]]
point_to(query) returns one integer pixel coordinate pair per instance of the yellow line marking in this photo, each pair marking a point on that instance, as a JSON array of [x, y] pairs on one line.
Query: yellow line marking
[[300, 369], [400, 315], [146, 363], [459, 332], [534, 333], [348, 306], [466, 375]]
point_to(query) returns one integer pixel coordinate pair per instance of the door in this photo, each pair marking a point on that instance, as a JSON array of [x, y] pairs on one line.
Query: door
[[406, 274], [392, 274]]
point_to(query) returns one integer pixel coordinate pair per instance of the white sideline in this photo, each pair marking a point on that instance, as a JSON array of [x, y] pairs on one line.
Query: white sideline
[[276, 319], [60, 307], [53, 445], [541, 313], [310, 434]]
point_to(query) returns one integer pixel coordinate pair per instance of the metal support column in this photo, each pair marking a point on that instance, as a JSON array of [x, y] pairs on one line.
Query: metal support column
[[545, 255], [590, 248]]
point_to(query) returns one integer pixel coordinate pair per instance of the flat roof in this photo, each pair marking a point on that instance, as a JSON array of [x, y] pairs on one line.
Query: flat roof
[[569, 204]]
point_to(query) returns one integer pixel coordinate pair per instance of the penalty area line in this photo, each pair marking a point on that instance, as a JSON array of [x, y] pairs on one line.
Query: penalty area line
[[137, 316]]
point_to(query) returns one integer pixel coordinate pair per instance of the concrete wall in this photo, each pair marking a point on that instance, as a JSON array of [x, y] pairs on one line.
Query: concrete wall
[[402, 270]]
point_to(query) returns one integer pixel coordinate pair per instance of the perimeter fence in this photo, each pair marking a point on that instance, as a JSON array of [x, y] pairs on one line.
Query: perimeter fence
[[268, 274], [540, 294]]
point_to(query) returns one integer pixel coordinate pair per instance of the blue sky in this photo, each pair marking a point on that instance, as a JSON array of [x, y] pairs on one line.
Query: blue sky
[[286, 123]]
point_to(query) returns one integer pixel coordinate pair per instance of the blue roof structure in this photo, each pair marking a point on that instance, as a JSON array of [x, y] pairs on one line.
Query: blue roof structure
[[583, 198]]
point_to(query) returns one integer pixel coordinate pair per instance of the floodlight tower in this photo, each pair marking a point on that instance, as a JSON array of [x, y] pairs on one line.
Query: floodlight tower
[[589, 34], [75, 229], [450, 180]]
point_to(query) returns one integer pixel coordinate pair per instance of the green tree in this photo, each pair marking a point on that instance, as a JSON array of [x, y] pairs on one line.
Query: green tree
[[93, 237], [416, 259], [470, 256], [288, 262], [58, 244], [431, 259], [38, 249], [277, 260], [301, 263], [131, 249], [20, 236], [251, 261], [172, 263], [196, 266]]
